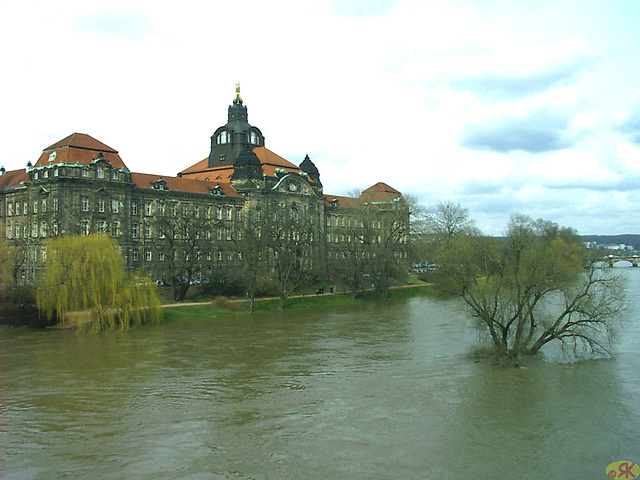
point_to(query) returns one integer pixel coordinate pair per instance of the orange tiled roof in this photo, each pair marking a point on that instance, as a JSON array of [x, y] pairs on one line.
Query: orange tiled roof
[[380, 192], [218, 174], [79, 148], [13, 178], [179, 184], [267, 157], [198, 167], [270, 162], [344, 202]]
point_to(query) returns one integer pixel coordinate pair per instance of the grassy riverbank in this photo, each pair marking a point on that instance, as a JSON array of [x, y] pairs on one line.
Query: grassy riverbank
[[224, 307]]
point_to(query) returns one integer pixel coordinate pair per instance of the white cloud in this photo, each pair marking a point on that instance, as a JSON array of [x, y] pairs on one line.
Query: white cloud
[[372, 91]]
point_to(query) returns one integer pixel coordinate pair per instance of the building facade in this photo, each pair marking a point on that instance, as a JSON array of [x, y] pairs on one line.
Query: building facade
[[195, 222]]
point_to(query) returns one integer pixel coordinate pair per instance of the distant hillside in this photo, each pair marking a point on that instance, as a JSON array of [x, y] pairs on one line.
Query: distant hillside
[[627, 239]]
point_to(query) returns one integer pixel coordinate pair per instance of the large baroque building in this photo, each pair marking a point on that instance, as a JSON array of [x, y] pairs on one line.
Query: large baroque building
[[79, 185]]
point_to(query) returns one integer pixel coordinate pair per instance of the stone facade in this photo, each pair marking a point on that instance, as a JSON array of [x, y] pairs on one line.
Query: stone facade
[[80, 185]]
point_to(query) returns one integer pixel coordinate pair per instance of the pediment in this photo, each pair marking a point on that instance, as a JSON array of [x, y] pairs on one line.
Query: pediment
[[294, 184]]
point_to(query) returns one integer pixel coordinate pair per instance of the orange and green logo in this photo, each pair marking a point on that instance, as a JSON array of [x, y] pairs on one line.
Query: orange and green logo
[[623, 469]]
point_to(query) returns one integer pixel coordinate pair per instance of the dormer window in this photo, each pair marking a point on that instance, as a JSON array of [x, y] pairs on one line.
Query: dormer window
[[253, 138], [223, 137], [217, 190], [160, 184]]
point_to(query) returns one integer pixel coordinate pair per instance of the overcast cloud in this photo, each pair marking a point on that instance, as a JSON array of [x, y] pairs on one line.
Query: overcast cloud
[[504, 107]]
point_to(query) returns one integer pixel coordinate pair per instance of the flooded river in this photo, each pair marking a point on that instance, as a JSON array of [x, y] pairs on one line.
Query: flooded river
[[380, 392]]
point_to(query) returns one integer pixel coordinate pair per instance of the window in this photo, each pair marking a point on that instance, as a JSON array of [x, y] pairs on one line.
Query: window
[[114, 205], [174, 210], [114, 175], [9, 230], [219, 213], [223, 137], [46, 174], [84, 203], [229, 213], [101, 205], [147, 208], [44, 205], [196, 211], [219, 256], [253, 138], [17, 209], [43, 229], [147, 255], [134, 255], [35, 206], [56, 204], [101, 226], [147, 231], [115, 228], [161, 209], [134, 230], [99, 172], [25, 208], [219, 233], [85, 173], [161, 256], [134, 208], [17, 231], [84, 227], [56, 229], [209, 256], [228, 233], [208, 215]]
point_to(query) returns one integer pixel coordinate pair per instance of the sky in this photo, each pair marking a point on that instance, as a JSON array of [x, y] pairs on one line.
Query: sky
[[504, 107]]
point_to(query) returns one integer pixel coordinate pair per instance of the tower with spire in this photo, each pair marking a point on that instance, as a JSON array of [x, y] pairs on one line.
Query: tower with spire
[[231, 139]]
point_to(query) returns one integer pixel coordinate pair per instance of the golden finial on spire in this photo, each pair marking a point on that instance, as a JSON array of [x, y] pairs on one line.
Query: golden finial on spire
[[238, 98]]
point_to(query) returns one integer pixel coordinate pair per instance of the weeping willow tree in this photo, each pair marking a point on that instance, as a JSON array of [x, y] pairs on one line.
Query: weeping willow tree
[[86, 274]]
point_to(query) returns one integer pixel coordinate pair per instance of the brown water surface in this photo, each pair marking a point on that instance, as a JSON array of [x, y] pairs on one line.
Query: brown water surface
[[386, 391]]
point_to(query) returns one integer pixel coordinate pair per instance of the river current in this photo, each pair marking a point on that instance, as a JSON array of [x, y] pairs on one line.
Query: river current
[[383, 391]]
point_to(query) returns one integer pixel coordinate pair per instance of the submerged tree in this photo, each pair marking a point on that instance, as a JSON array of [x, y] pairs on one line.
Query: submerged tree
[[86, 274], [533, 288]]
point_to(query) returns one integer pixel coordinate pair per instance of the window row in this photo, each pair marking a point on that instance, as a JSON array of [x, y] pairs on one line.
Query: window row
[[22, 207], [224, 137], [176, 209], [150, 255], [351, 222], [26, 230], [99, 172]]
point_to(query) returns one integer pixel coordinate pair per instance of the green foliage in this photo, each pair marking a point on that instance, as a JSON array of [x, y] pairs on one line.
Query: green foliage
[[532, 288], [86, 274]]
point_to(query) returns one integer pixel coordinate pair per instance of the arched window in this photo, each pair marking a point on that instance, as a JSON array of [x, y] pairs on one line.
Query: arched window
[[253, 138], [223, 137]]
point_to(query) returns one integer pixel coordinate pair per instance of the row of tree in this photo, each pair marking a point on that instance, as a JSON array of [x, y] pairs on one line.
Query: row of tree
[[286, 246]]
